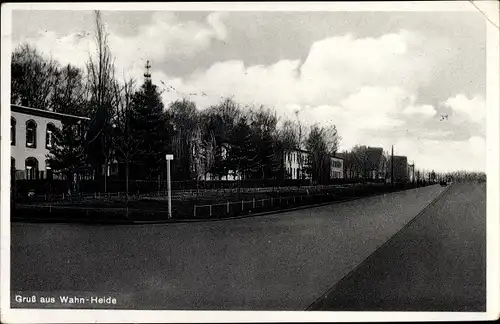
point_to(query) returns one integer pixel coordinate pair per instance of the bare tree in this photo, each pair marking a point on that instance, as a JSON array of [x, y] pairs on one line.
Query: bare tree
[[101, 80], [360, 153], [185, 118], [290, 135], [203, 154], [69, 93], [332, 139], [123, 140], [33, 77]]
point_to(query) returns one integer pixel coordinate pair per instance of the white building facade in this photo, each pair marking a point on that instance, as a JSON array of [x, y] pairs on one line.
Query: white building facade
[[295, 164], [336, 168], [31, 138]]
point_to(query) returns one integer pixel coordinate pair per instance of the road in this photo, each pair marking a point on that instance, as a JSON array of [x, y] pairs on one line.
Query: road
[[275, 262], [436, 263]]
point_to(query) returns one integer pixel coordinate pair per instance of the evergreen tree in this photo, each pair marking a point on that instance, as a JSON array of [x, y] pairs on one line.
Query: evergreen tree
[[151, 128], [67, 153]]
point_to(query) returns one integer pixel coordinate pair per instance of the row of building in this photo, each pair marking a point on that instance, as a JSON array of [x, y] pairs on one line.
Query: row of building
[[31, 139]]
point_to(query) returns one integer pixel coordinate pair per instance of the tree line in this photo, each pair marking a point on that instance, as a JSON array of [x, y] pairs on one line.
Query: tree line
[[129, 124]]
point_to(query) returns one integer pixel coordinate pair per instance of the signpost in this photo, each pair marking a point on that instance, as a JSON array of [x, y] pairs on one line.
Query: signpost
[[169, 157]]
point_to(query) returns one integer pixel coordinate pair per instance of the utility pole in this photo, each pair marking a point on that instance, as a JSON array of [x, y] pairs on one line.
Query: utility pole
[[392, 165], [413, 170]]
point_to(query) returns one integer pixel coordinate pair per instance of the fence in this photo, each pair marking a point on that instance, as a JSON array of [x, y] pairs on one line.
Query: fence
[[242, 207], [26, 196], [149, 210], [39, 186], [50, 195]]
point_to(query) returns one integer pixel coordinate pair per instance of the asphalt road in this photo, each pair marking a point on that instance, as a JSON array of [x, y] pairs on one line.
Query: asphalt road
[[436, 263], [275, 262]]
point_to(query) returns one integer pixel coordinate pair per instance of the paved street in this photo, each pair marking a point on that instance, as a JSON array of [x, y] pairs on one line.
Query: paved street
[[276, 262], [436, 263]]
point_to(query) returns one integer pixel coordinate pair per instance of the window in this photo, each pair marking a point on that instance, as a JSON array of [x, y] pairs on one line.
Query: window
[[48, 169], [12, 131], [49, 135], [31, 165], [31, 134]]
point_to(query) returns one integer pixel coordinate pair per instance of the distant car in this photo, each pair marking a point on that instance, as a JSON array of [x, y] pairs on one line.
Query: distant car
[[443, 183]]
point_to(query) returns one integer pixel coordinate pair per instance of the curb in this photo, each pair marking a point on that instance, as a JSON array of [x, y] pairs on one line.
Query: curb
[[272, 212], [200, 220], [168, 221], [318, 301]]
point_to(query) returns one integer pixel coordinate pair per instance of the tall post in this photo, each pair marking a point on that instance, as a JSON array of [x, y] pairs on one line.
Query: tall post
[[105, 175], [414, 171], [169, 157], [392, 166]]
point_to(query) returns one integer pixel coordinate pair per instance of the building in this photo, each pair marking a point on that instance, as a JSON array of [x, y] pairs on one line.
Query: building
[[366, 162], [400, 169], [230, 175], [411, 172], [31, 138], [336, 168], [295, 163], [375, 164]]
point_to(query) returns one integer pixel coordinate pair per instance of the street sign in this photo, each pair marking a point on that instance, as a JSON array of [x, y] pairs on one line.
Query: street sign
[[169, 157]]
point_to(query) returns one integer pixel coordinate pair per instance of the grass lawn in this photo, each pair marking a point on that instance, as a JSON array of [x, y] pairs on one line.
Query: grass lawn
[[155, 207]]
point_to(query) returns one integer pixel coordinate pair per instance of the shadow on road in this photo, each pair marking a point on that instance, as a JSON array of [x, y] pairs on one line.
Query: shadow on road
[[435, 263]]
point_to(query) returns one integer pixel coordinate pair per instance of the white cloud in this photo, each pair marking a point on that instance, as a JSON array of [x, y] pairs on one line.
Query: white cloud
[[361, 85], [469, 154], [423, 110], [164, 37], [473, 109]]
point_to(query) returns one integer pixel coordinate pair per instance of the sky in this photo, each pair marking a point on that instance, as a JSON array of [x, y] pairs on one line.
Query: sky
[[415, 80]]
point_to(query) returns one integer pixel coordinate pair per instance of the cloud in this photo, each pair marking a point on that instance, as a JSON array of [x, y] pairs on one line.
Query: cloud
[[164, 37], [439, 155], [423, 110], [473, 109], [368, 87], [335, 68]]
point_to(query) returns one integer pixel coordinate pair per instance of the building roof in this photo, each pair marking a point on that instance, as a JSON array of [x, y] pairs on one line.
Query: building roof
[[296, 150], [338, 156], [400, 158], [45, 113]]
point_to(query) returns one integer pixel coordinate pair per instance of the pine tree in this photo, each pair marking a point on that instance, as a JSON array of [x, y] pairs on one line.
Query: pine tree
[[67, 154], [151, 128]]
